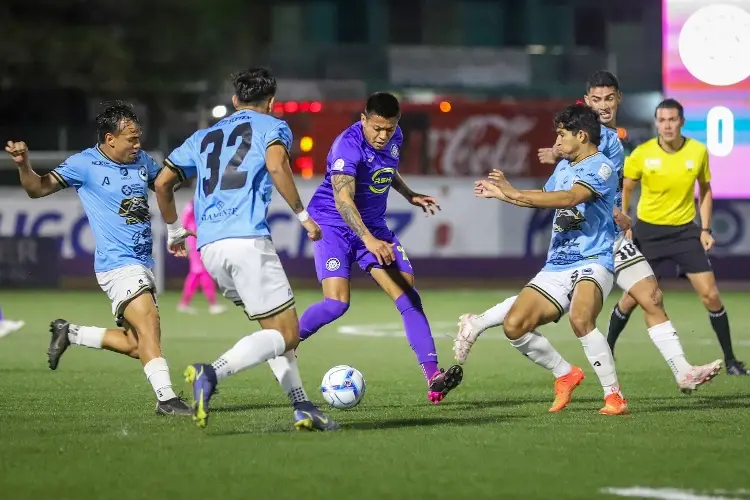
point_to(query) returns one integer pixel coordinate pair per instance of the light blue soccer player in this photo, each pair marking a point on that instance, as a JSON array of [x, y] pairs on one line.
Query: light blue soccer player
[[579, 272], [111, 180], [237, 162]]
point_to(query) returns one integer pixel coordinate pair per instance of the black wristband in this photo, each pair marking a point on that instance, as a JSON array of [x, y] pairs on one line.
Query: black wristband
[[707, 230]]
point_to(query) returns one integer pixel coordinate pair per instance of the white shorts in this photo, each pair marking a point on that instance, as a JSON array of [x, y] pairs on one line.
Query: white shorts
[[249, 273], [630, 264], [558, 286], [124, 284]]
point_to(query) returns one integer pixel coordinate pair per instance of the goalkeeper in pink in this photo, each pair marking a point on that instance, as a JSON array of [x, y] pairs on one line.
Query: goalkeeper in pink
[[198, 276]]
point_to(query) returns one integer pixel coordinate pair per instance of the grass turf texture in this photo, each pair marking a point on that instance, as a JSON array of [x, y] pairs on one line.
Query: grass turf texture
[[88, 429]]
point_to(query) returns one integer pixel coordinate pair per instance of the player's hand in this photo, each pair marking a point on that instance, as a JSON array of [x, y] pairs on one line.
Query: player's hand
[[623, 220], [176, 241], [707, 240], [486, 189], [313, 229], [18, 151], [428, 204], [497, 177], [382, 250], [547, 155]]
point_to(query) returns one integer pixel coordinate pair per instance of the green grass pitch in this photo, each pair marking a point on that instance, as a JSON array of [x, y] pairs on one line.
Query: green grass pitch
[[88, 429]]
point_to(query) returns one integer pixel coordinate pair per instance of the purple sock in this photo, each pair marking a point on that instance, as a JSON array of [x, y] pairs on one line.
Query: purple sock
[[418, 332], [320, 314]]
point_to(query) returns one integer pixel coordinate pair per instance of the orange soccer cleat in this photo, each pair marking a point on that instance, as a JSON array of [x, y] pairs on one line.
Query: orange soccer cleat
[[614, 404], [564, 387]]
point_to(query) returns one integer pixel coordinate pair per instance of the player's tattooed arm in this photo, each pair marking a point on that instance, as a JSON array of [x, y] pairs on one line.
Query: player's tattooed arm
[[277, 163], [35, 185], [343, 194]]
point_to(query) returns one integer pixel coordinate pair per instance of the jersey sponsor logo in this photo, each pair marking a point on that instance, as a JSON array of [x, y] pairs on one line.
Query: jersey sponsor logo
[[394, 151], [605, 171], [382, 179], [568, 219], [333, 264], [143, 174], [338, 165], [134, 210]]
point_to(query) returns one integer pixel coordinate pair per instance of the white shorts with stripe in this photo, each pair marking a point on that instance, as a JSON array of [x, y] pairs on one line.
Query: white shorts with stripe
[[249, 273], [558, 286], [630, 264], [124, 284]]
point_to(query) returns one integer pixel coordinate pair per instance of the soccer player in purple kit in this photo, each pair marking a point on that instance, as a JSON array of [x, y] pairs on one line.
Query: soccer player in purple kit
[[350, 208]]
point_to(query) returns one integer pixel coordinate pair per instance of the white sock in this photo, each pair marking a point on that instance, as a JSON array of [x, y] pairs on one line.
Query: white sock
[[157, 372], [493, 316], [538, 349], [87, 336], [600, 356], [285, 369], [665, 338], [250, 351]]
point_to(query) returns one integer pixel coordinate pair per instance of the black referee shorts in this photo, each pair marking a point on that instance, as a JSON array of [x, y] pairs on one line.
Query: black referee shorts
[[675, 245]]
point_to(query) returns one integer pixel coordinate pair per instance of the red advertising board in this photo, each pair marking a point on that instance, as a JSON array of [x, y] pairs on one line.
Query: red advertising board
[[469, 140]]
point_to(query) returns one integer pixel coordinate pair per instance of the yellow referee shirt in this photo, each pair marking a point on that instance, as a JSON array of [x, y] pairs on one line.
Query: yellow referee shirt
[[668, 180]]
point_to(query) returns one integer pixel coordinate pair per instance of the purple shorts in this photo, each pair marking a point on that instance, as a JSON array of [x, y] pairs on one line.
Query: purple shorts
[[340, 248]]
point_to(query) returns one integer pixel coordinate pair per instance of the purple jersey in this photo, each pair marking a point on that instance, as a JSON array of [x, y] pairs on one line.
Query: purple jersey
[[373, 170]]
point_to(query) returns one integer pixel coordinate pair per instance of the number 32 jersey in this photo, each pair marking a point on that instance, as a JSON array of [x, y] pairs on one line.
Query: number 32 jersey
[[234, 187]]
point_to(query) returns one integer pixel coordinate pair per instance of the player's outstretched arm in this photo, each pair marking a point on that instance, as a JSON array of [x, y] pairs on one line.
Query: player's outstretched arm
[[577, 194], [427, 203], [277, 163], [35, 185]]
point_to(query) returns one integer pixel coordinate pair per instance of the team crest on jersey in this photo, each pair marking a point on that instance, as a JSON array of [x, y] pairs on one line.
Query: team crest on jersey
[[568, 219], [124, 172], [143, 174], [338, 165], [333, 264], [394, 151], [605, 171], [689, 164]]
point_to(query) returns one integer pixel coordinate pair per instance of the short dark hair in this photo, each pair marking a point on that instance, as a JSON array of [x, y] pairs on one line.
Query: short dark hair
[[602, 78], [383, 104], [254, 85], [109, 120], [671, 104], [577, 117]]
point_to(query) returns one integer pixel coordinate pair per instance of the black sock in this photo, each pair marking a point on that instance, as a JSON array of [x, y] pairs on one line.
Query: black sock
[[617, 323], [720, 324]]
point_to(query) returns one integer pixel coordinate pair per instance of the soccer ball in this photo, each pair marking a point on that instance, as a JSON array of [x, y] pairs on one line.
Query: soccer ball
[[343, 387]]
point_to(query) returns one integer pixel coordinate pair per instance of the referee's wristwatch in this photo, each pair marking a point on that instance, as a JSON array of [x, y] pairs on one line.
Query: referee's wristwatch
[[707, 230]]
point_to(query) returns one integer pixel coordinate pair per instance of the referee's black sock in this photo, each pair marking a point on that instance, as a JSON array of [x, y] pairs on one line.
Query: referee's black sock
[[720, 324], [617, 323]]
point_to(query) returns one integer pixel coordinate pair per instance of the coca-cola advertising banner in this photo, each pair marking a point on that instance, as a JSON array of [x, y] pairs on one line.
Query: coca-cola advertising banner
[[468, 140]]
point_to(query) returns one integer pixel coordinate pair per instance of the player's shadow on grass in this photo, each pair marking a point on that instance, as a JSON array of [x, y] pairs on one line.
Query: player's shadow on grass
[[696, 403], [506, 402], [426, 422], [248, 407]]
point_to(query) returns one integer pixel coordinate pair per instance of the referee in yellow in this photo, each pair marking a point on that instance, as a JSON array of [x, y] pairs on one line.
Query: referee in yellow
[[668, 167]]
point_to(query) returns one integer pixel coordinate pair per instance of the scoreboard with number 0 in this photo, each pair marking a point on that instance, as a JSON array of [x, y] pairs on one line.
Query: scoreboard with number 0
[[706, 66]]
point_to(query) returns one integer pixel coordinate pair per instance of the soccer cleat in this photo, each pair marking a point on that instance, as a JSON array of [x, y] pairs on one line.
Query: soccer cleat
[[8, 326], [58, 343], [443, 382], [203, 379], [307, 416], [186, 309], [699, 375], [614, 404], [217, 309], [564, 387], [735, 367], [465, 338], [174, 406]]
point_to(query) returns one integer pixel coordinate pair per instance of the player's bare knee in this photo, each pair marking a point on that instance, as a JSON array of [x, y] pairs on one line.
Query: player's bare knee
[[582, 321], [516, 326], [711, 299], [286, 323], [626, 303]]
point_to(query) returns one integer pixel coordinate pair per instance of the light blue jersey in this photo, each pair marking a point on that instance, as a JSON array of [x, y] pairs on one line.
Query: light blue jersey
[[115, 198], [612, 148], [586, 233], [234, 187]]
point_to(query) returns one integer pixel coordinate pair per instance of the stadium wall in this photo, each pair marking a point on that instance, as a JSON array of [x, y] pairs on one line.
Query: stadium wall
[[48, 242]]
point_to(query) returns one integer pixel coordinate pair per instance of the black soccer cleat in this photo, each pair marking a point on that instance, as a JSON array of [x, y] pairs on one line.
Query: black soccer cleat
[[444, 382], [58, 343], [735, 367], [174, 406]]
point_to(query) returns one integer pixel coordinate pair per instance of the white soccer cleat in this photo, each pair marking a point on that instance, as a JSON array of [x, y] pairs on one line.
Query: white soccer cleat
[[8, 326], [217, 309], [186, 309], [699, 375], [465, 338]]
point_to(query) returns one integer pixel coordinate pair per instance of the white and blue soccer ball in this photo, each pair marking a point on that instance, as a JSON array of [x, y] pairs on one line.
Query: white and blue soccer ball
[[343, 387]]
